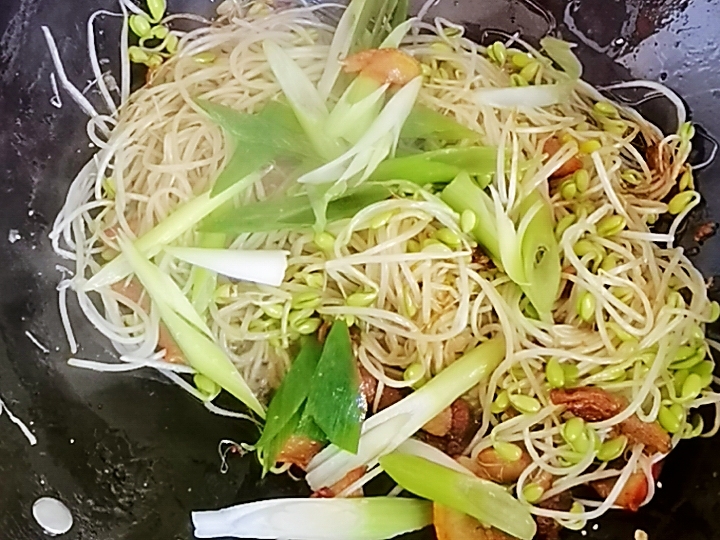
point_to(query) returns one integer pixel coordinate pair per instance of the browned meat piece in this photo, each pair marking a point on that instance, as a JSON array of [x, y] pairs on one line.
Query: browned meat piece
[[453, 525], [632, 495], [441, 425], [490, 466], [548, 528], [461, 431], [133, 291], [463, 427], [390, 66], [299, 450], [595, 404], [654, 437], [339, 486], [653, 158], [552, 145], [705, 231], [368, 388], [589, 403]]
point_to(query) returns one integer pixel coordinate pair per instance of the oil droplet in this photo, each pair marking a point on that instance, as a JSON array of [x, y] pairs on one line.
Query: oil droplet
[[52, 515]]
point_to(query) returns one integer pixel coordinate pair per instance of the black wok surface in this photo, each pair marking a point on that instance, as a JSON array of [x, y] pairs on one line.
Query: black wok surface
[[130, 454]]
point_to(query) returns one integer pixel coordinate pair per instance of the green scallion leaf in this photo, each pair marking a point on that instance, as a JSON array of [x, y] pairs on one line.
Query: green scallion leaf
[[201, 352], [258, 139], [426, 123], [463, 194], [335, 402], [287, 402], [439, 165], [292, 212], [485, 501]]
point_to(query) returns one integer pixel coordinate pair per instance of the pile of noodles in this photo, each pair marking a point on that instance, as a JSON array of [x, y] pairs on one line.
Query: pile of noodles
[[159, 150]]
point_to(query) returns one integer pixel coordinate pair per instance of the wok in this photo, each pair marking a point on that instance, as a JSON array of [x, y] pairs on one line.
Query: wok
[[130, 454]]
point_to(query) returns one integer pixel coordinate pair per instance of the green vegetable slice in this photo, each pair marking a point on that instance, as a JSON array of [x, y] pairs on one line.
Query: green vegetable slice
[[201, 352], [561, 52], [285, 408], [292, 212], [426, 123], [439, 165], [259, 139], [464, 194], [335, 402], [485, 501]]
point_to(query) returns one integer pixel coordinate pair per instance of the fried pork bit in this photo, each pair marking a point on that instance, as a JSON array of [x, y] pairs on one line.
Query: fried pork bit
[[548, 528], [589, 403], [299, 450], [595, 404], [462, 427], [441, 425], [489, 465], [552, 145], [134, 292], [705, 231], [341, 485], [632, 495], [453, 525], [368, 389], [385, 66], [651, 434]]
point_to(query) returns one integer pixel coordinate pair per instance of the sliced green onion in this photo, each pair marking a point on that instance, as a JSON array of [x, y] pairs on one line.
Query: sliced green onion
[[292, 212], [263, 266], [375, 145], [438, 165], [539, 95], [334, 401], [201, 351], [289, 398], [365, 518], [184, 218], [386, 430], [304, 98], [426, 123], [487, 502], [561, 53]]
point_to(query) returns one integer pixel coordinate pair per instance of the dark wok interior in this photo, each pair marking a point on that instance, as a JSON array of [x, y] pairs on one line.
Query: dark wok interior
[[130, 454]]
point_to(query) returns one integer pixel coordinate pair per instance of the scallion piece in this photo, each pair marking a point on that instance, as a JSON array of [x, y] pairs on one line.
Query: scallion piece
[[292, 212], [335, 402], [439, 165], [485, 501], [385, 431], [285, 409], [200, 350], [366, 518], [265, 266], [184, 218]]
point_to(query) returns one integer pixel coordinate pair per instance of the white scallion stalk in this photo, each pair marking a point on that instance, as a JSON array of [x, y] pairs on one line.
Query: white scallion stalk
[[259, 266], [370, 518], [351, 120], [378, 142], [388, 429], [351, 23], [184, 218], [309, 106], [539, 95], [398, 34]]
